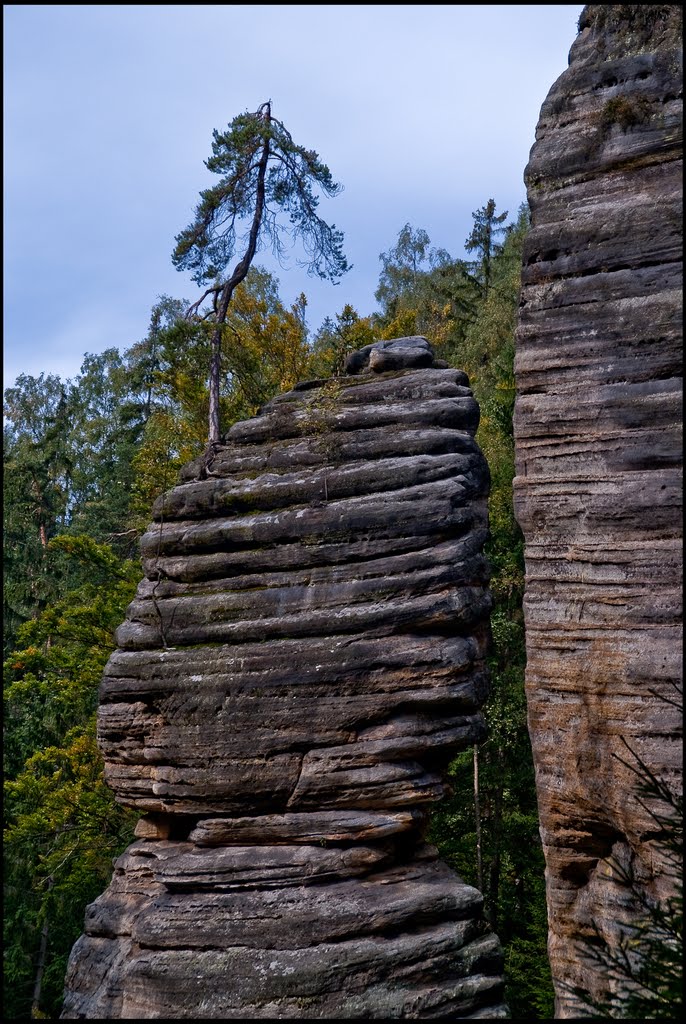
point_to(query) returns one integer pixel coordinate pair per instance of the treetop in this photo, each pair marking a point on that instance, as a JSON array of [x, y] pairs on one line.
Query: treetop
[[262, 168]]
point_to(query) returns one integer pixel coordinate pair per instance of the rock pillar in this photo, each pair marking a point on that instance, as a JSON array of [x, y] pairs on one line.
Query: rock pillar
[[598, 487], [302, 660]]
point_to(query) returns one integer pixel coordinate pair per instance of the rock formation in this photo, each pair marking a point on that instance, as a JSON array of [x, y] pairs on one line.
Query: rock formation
[[302, 660], [598, 486]]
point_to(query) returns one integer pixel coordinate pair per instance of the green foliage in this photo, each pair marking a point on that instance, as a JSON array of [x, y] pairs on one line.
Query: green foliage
[[52, 675], [62, 827], [425, 291], [644, 968], [265, 174], [37, 467], [68, 462], [257, 151], [404, 275], [482, 241], [264, 350], [336, 339], [264, 345], [511, 853]]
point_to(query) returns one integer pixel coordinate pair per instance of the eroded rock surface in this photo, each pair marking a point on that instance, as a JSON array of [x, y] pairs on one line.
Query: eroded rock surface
[[302, 660], [599, 455]]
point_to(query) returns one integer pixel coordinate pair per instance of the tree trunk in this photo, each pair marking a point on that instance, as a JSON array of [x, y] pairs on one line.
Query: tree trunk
[[215, 373], [40, 966], [238, 275], [496, 835], [477, 815]]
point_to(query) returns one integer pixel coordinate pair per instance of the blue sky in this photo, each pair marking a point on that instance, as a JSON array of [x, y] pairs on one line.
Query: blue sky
[[422, 113]]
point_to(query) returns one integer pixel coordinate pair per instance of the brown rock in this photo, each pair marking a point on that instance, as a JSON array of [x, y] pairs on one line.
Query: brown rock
[[598, 486], [318, 826]]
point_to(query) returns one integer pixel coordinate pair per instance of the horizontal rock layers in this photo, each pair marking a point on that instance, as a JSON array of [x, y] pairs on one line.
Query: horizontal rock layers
[[302, 660], [598, 487]]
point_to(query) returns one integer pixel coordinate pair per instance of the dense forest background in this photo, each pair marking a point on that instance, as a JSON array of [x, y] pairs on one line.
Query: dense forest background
[[85, 458]]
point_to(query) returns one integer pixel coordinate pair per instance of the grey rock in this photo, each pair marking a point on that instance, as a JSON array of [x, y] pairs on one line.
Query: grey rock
[[305, 655], [405, 941], [386, 356]]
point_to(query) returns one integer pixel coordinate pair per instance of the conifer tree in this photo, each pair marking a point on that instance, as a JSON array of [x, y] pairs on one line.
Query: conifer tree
[[482, 240], [264, 173]]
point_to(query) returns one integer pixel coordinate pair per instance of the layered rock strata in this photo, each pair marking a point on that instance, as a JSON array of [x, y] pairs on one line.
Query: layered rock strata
[[302, 660], [598, 487]]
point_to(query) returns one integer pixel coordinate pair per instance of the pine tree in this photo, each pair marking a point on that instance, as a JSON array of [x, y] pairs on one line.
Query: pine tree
[[265, 173]]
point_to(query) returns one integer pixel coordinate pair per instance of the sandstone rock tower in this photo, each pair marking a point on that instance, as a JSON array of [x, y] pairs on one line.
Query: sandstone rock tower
[[303, 658], [598, 488]]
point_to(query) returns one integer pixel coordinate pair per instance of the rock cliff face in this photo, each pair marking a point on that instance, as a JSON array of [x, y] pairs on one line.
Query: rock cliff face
[[303, 658], [598, 487]]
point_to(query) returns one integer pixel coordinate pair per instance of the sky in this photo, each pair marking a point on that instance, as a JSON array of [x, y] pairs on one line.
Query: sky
[[421, 112]]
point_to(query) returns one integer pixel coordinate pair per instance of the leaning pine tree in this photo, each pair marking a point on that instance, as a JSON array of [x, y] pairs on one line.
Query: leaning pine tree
[[264, 173]]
